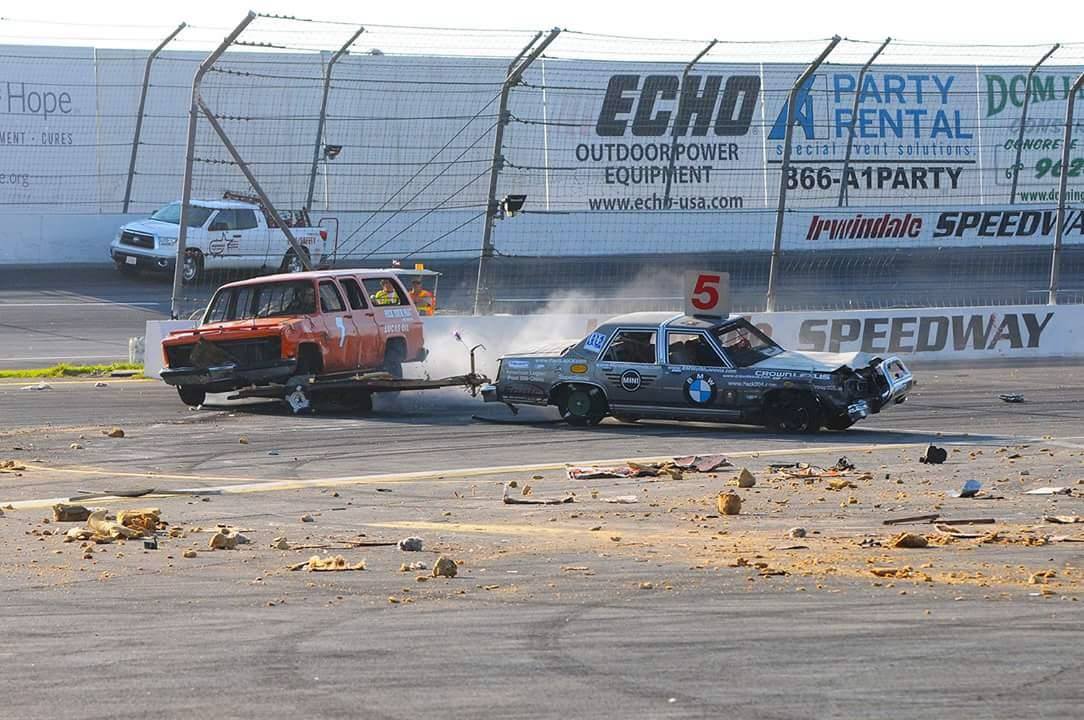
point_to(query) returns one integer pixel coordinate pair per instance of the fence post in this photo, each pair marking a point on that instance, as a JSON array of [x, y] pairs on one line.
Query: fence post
[[139, 112], [323, 115], [189, 157], [1023, 121], [844, 190], [302, 254], [515, 71], [788, 137], [674, 142], [1063, 190]]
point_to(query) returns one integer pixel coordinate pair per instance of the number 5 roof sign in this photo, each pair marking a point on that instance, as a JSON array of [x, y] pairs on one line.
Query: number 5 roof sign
[[707, 292]]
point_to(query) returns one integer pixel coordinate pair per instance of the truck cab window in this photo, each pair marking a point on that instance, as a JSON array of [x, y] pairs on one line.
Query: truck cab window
[[223, 221], [244, 219]]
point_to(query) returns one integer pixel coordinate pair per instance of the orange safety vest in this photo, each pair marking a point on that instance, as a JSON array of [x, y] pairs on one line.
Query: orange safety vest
[[425, 301]]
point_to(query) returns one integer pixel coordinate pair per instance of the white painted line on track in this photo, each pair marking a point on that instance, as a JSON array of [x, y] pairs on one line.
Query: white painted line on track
[[261, 486]]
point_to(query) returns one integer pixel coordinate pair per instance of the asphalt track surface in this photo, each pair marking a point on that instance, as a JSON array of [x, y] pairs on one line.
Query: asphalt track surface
[[548, 618]]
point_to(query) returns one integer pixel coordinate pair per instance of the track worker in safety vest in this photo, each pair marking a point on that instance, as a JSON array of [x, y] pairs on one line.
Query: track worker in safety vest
[[386, 295], [423, 299]]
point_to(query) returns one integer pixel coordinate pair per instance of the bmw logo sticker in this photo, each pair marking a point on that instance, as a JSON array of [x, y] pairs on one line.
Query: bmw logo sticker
[[630, 380], [699, 389]]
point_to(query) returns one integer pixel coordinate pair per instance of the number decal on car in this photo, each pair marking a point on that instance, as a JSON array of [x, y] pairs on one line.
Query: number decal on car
[[595, 342]]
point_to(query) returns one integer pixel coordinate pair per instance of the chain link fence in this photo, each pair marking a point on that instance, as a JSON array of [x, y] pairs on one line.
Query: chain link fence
[[536, 168]]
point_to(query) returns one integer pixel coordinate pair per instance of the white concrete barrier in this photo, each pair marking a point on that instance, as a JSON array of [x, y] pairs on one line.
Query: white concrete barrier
[[933, 334]]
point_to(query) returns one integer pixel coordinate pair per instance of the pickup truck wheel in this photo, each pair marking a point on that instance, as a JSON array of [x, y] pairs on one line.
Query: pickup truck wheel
[[839, 422], [291, 263], [582, 406], [192, 395], [794, 412], [192, 268]]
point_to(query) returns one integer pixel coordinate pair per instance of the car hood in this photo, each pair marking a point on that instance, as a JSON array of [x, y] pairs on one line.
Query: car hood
[[815, 361], [152, 227], [235, 330], [553, 348]]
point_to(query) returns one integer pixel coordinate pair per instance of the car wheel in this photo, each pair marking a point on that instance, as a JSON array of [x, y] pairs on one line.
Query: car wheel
[[192, 395], [582, 406], [291, 263], [192, 268], [795, 413], [839, 422]]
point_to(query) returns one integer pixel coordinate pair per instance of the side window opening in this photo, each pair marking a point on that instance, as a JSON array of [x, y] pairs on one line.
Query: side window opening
[[354, 294], [691, 349], [242, 304], [330, 299], [631, 346], [385, 291]]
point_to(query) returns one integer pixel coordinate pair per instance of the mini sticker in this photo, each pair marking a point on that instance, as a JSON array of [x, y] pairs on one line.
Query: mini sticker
[[595, 342], [630, 380], [699, 389], [397, 313]]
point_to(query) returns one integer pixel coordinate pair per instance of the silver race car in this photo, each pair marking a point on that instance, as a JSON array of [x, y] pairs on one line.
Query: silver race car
[[658, 365]]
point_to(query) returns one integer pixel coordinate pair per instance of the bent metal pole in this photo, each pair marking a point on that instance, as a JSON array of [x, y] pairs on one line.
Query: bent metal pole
[[189, 157], [515, 71], [788, 137], [1063, 190], [139, 113], [844, 189], [323, 116], [1016, 168], [265, 200]]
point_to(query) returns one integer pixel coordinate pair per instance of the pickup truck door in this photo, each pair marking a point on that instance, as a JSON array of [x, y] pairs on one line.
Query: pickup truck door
[[628, 369], [696, 379], [251, 236]]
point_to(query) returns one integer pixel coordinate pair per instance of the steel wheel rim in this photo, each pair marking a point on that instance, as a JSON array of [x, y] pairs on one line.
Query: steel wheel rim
[[189, 270], [579, 404]]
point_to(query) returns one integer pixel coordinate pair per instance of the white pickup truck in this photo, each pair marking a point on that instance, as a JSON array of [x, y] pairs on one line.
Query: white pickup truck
[[222, 234]]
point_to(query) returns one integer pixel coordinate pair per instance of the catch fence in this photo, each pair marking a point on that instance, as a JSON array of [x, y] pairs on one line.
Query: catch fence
[[580, 169]]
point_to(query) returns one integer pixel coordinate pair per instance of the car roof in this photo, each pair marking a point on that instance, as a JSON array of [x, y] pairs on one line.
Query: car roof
[[225, 204], [313, 275], [669, 319]]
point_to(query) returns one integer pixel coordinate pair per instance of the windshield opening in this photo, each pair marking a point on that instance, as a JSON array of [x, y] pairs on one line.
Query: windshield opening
[[744, 344], [172, 214], [296, 297]]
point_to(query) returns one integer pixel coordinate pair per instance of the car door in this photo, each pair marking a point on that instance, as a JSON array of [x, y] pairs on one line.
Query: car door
[[697, 380], [370, 348], [341, 344], [628, 369]]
